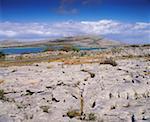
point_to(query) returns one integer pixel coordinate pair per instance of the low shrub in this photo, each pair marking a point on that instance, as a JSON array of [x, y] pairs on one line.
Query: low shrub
[[48, 49], [2, 55], [70, 48], [91, 117], [109, 61]]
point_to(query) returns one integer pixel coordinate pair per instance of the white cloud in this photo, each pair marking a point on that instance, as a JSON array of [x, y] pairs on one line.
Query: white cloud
[[8, 33], [108, 28]]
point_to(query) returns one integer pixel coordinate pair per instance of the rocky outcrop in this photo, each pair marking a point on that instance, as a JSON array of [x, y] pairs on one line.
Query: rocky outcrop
[[56, 92]]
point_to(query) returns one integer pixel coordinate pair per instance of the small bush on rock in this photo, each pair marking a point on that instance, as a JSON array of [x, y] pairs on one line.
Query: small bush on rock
[[2, 55], [92, 117], [68, 48], [109, 61]]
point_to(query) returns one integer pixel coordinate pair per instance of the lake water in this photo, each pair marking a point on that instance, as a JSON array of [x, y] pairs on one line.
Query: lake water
[[25, 50], [22, 50]]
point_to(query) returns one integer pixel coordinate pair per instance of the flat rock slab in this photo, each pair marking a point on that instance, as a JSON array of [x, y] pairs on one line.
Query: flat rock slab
[[46, 92]]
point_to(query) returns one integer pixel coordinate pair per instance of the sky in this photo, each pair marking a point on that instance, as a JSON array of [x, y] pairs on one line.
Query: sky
[[123, 20]]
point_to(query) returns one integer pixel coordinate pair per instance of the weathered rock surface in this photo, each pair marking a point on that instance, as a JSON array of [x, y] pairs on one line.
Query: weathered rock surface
[[47, 92]]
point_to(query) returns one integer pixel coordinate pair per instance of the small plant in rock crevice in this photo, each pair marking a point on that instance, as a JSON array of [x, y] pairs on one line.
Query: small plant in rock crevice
[[45, 108], [2, 94], [91, 117]]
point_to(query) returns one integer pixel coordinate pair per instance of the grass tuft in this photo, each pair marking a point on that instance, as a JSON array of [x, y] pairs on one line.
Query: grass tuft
[[2, 97]]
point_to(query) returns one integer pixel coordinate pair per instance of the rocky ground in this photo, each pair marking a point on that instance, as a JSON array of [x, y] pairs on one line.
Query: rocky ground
[[60, 92]]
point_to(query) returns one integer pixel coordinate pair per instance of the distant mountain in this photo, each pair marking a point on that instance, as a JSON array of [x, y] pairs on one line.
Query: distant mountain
[[9, 42], [83, 41], [86, 41], [12, 43]]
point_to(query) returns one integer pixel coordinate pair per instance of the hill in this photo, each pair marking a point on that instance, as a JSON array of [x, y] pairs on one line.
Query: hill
[[86, 41], [83, 41]]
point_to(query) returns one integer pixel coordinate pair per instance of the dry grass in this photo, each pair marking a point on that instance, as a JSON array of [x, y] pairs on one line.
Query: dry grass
[[82, 60], [69, 58], [1, 81]]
